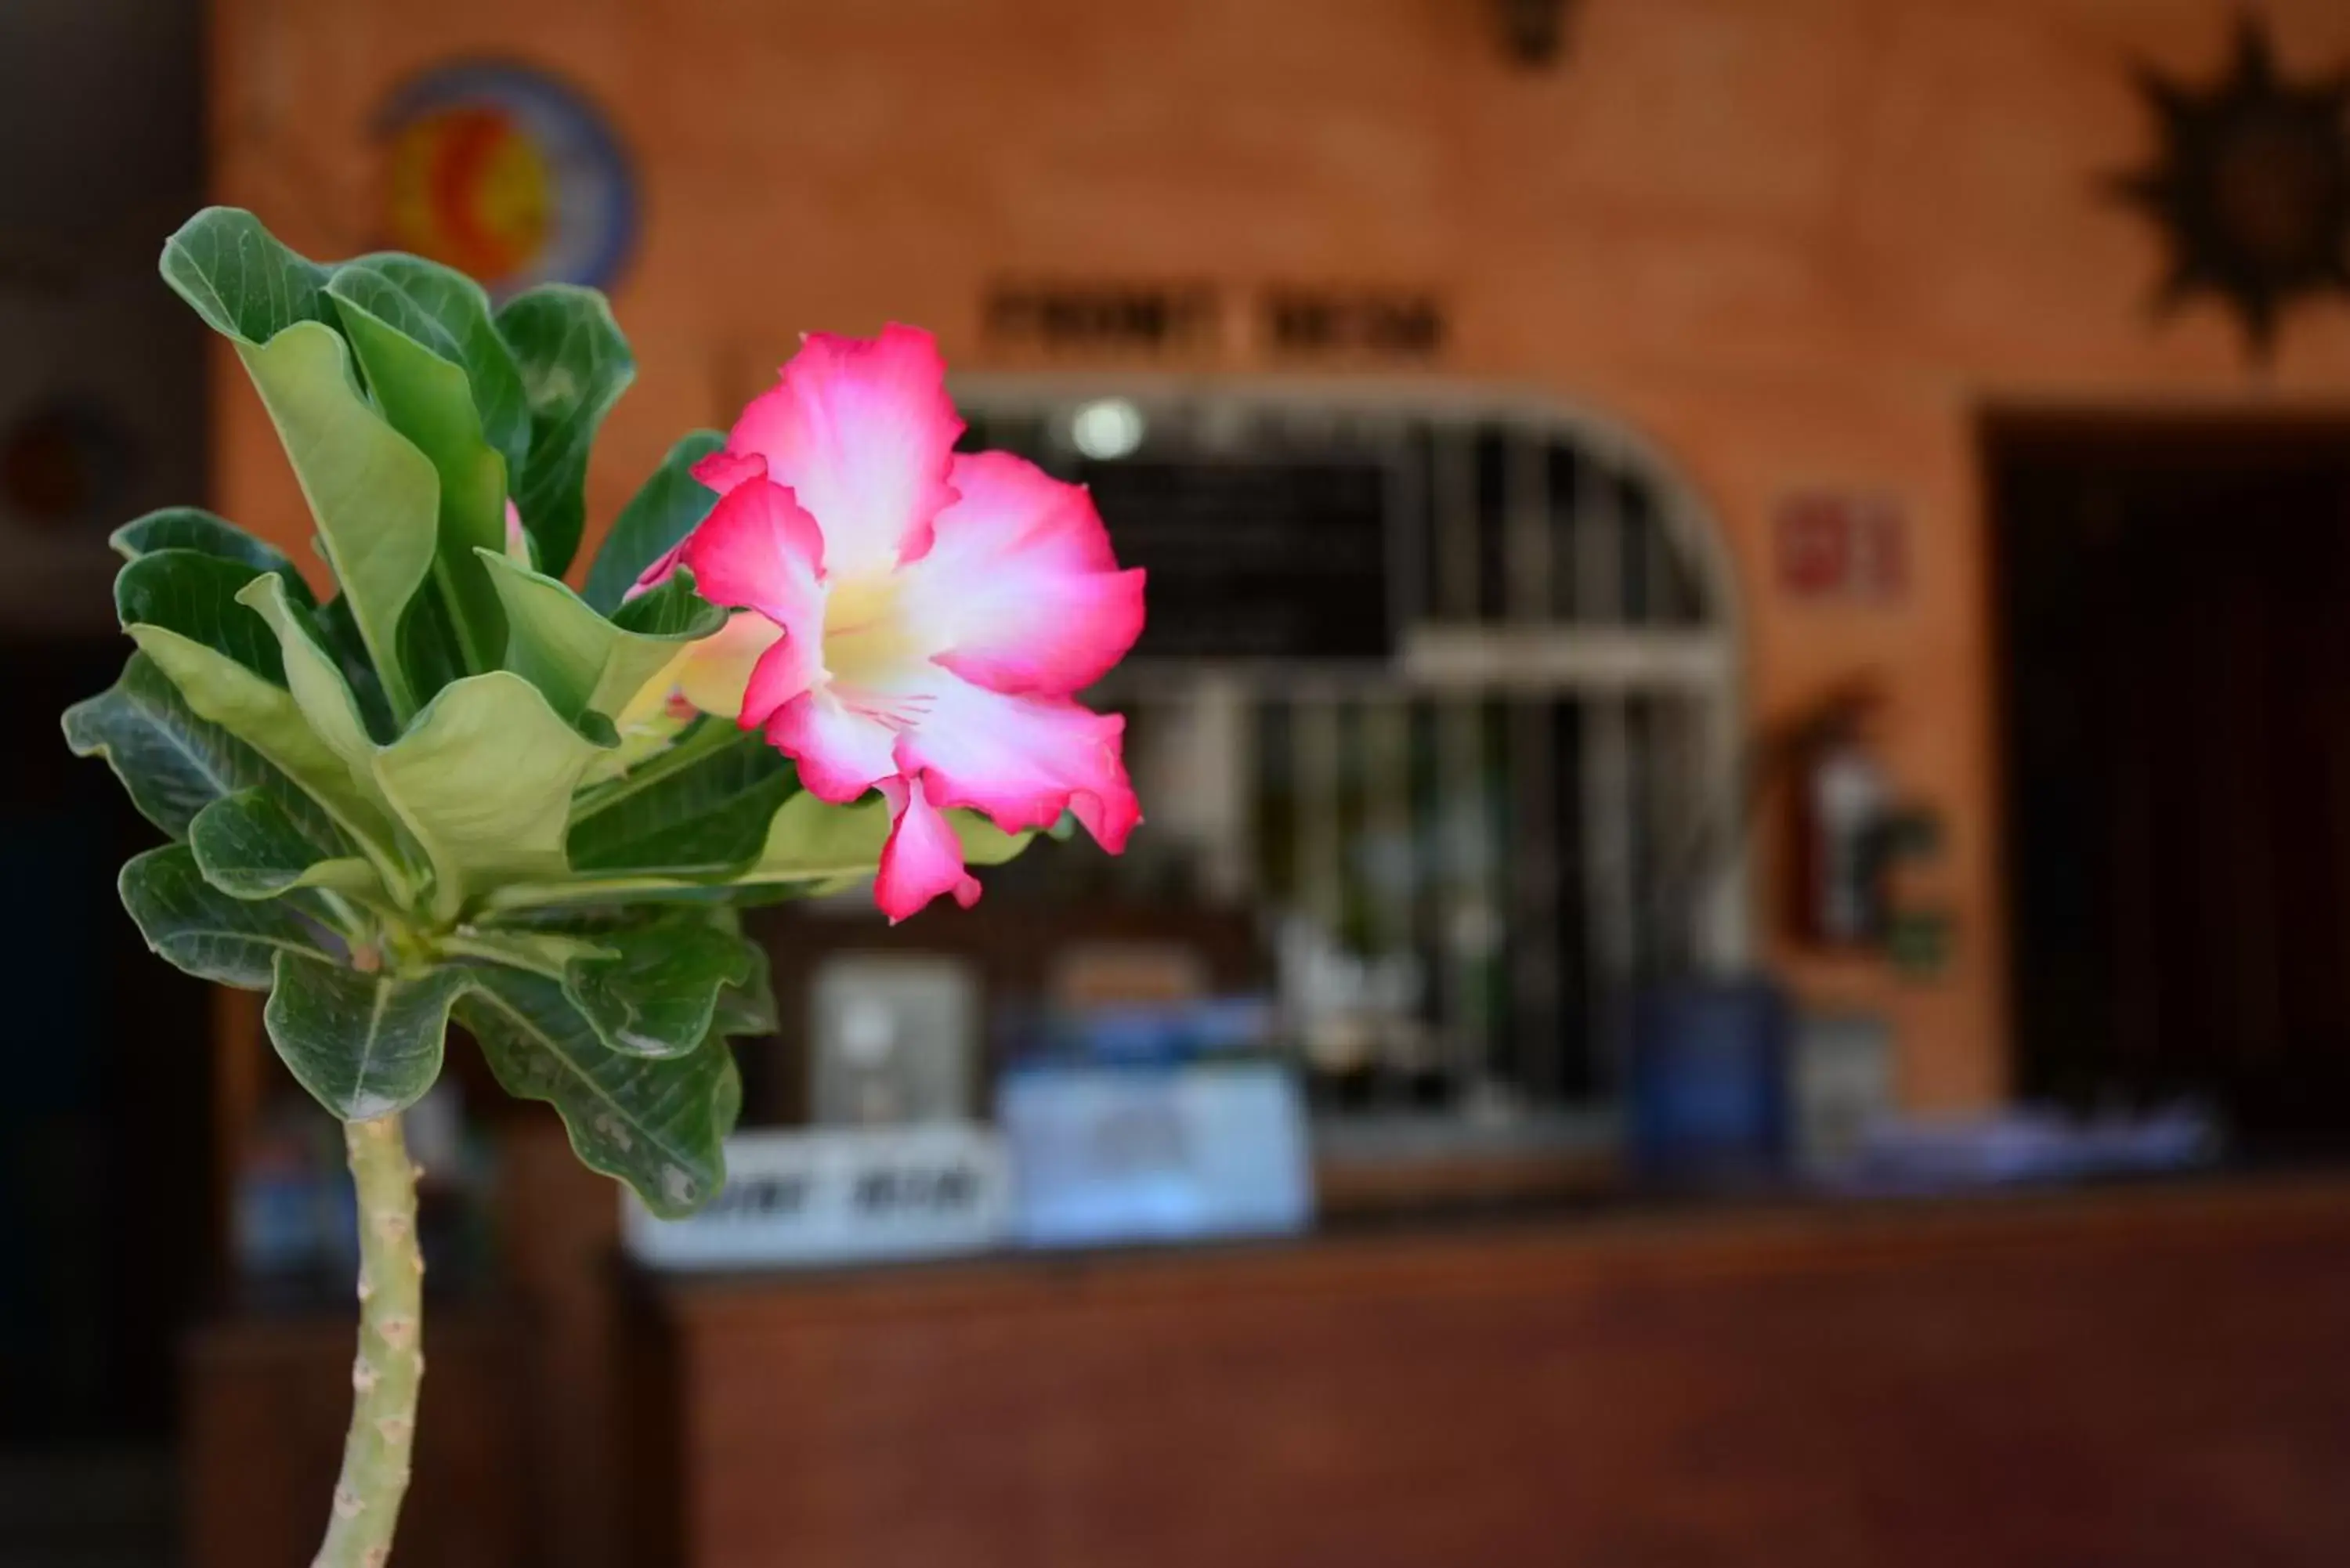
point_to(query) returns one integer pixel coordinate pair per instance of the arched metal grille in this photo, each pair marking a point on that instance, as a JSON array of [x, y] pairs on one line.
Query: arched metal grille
[[1446, 686]]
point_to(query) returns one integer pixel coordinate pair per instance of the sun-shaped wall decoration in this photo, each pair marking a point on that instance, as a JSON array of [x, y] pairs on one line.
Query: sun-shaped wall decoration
[[2251, 189]]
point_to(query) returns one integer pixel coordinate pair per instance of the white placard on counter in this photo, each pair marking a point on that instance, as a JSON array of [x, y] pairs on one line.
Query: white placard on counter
[[839, 1195], [1106, 1155]]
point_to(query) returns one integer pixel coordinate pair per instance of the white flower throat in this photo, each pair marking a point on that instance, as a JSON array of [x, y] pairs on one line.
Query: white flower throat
[[871, 647]]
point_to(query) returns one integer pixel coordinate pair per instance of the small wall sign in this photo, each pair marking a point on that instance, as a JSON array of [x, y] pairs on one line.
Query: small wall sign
[[1196, 320], [1839, 546], [839, 1195], [1351, 324], [1098, 318]]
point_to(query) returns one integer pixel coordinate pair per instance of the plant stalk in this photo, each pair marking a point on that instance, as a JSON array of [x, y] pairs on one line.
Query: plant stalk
[[390, 1363]]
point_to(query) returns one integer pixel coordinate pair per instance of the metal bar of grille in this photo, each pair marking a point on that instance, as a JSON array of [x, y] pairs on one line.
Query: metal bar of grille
[[1410, 542], [1386, 816], [1321, 846], [1717, 891], [1455, 522], [1221, 768], [1663, 929], [1607, 803], [1528, 582], [1539, 1045], [1468, 905], [1661, 573], [1598, 536]]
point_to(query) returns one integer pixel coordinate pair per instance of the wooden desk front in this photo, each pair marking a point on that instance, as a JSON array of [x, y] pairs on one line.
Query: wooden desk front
[[2144, 1377]]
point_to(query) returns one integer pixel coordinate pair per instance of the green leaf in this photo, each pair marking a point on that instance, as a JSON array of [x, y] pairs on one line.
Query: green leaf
[[449, 313], [541, 951], [664, 510], [249, 845], [192, 528], [241, 280], [365, 1046], [429, 650], [651, 892], [195, 595], [811, 849], [339, 633], [674, 610], [583, 662], [329, 707], [654, 1123], [374, 497], [430, 400], [656, 993], [482, 780], [312, 675], [574, 364], [553, 640], [749, 1008], [172, 763], [700, 809], [266, 718], [199, 929]]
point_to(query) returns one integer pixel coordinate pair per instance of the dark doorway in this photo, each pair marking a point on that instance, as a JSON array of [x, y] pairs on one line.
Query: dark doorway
[[2174, 600], [106, 1163]]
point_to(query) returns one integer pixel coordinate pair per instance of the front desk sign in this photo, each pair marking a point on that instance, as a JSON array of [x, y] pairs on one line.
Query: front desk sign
[[839, 1195], [1106, 318], [1195, 320]]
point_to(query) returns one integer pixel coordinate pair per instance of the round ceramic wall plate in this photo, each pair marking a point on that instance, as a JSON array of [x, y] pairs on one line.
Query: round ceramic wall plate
[[508, 175]]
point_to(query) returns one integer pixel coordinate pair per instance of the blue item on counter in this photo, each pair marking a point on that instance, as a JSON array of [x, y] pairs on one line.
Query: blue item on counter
[[1710, 1101], [1113, 1154], [1164, 1032], [2027, 1146]]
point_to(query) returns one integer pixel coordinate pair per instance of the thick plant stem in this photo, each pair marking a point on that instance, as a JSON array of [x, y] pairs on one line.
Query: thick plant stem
[[390, 1361]]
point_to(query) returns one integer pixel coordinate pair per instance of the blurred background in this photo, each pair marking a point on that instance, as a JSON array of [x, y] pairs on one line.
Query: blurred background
[[1740, 951]]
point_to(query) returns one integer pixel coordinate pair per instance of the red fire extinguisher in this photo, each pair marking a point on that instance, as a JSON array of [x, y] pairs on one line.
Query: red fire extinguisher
[[1842, 805]]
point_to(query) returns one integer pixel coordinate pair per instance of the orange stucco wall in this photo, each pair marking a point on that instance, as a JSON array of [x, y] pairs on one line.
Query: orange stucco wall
[[1796, 242]]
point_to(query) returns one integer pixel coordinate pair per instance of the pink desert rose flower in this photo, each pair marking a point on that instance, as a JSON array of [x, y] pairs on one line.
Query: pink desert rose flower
[[915, 620]]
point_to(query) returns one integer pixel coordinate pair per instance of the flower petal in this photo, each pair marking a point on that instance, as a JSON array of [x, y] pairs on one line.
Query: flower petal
[[1020, 583], [657, 574], [722, 469], [842, 750], [922, 859], [783, 670], [862, 431], [1023, 760], [759, 550], [714, 673]]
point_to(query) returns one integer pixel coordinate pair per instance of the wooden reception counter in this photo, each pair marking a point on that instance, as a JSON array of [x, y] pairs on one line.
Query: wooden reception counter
[[2155, 1375]]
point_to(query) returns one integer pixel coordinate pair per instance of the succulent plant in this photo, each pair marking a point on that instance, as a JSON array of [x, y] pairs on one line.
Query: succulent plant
[[455, 788]]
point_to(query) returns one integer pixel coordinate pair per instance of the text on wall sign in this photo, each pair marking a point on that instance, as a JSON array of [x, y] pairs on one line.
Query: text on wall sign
[[1196, 320]]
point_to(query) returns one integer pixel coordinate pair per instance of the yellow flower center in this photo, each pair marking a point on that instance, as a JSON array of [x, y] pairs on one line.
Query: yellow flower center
[[868, 644]]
